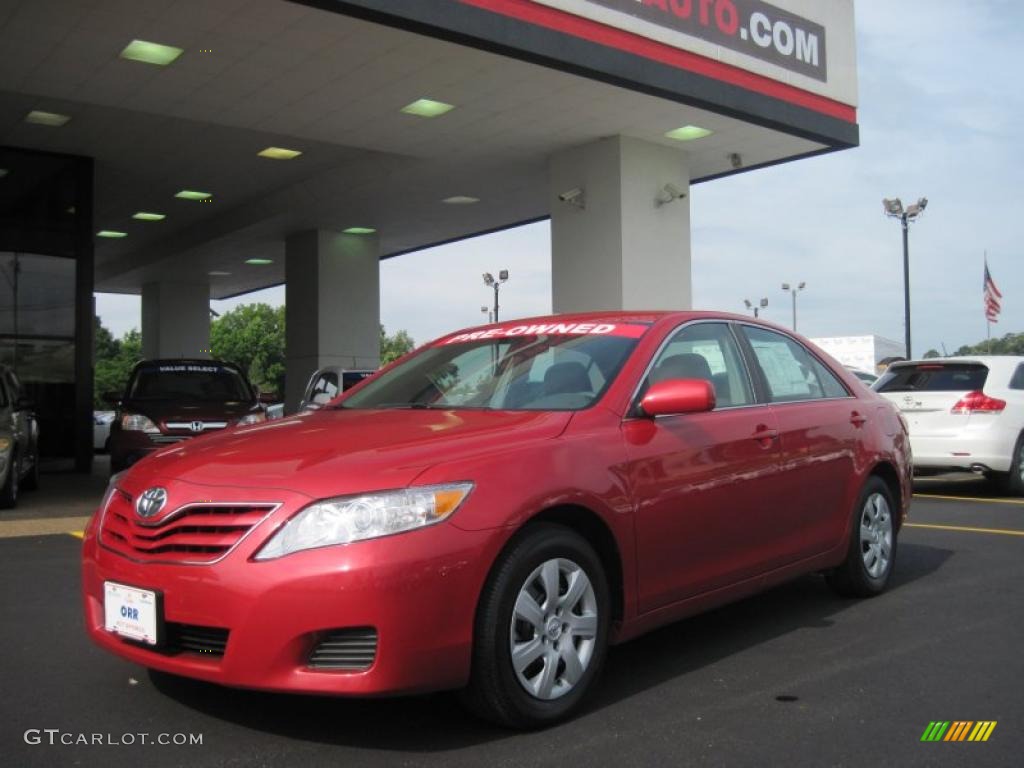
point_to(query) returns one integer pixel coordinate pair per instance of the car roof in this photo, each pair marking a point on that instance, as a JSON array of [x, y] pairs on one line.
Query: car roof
[[626, 316]]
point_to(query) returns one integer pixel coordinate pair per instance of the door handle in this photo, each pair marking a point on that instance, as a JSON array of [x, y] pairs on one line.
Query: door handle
[[765, 436], [857, 420]]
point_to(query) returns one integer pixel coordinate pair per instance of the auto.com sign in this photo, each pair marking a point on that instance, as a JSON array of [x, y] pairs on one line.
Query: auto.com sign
[[751, 27]]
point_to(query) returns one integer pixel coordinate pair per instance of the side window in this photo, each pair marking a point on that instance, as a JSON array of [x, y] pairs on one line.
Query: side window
[[790, 371], [1017, 382], [705, 351]]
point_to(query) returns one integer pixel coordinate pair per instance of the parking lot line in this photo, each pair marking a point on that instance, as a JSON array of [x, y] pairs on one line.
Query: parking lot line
[[1018, 502], [78, 534], [969, 529], [48, 526]]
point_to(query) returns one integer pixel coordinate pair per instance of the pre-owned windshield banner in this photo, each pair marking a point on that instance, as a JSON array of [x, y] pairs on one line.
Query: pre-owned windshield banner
[[628, 330], [752, 27]]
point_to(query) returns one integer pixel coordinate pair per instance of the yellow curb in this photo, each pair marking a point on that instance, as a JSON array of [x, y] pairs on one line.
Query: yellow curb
[[44, 527]]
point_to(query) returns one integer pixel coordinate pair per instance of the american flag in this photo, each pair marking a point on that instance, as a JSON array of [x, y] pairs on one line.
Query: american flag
[[992, 297]]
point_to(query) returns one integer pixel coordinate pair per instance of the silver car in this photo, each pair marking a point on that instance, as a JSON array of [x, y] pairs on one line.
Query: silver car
[[19, 441]]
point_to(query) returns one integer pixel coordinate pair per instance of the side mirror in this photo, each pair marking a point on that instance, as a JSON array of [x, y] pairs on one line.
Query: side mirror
[[678, 396], [268, 398], [114, 398]]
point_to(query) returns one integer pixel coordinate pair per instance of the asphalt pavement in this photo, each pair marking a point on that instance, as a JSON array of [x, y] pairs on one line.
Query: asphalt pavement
[[795, 676]]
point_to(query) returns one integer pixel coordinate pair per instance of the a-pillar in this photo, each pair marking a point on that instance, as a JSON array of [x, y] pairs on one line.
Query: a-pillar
[[332, 305], [620, 238], [176, 319]]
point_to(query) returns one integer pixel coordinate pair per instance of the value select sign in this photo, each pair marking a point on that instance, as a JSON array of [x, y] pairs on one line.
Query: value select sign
[[751, 27]]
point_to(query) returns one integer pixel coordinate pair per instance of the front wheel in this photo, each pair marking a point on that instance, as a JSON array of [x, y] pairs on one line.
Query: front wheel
[[541, 631], [9, 490], [872, 552]]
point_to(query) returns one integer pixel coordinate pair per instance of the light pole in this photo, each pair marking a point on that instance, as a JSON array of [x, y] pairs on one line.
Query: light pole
[[794, 292], [490, 282], [894, 210], [487, 311], [760, 305]]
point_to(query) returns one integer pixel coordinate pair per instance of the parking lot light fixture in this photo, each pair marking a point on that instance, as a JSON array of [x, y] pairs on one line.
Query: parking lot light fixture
[[793, 291], [894, 210], [490, 282]]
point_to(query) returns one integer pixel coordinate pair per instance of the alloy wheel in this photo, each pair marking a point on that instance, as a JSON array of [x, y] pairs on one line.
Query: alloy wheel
[[876, 535]]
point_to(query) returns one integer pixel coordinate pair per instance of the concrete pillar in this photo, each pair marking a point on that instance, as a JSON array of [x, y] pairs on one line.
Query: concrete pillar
[[176, 319], [612, 246], [332, 305]]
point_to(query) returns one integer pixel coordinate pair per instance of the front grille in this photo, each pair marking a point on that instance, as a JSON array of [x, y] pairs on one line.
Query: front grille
[[352, 649], [208, 641], [196, 533]]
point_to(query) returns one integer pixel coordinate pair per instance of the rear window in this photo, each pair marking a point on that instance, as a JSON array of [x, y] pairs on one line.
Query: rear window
[[933, 377], [206, 382]]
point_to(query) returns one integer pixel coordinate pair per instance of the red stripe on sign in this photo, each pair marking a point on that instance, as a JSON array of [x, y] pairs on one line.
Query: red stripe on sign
[[512, 331], [561, 21]]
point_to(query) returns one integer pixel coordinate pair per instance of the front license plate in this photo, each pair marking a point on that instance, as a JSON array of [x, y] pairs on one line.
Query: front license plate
[[131, 612]]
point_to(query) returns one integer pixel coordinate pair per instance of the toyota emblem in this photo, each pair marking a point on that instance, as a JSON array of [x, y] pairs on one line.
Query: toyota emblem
[[151, 502]]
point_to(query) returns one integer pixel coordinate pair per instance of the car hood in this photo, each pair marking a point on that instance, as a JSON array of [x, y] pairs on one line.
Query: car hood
[[333, 452], [179, 411]]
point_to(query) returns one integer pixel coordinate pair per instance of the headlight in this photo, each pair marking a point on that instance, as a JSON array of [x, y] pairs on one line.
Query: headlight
[[252, 418], [354, 518], [136, 422]]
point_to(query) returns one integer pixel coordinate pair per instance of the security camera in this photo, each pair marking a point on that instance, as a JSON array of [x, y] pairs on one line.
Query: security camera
[[575, 197], [667, 194]]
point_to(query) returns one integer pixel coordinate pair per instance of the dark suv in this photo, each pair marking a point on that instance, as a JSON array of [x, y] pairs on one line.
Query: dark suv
[[167, 401]]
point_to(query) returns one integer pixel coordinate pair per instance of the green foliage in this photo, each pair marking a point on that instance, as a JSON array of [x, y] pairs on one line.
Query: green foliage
[[932, 353], [393, 347], [113, 359], [252, 337], [1010, 344]]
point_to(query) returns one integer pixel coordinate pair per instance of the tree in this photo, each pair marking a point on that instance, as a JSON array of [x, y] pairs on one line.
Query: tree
[[932, 353], [113, 362], [252, 336], [393, 347], [1010, 344]]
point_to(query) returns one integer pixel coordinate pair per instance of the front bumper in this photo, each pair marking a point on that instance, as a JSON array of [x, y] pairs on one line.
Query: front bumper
[[419, 590]]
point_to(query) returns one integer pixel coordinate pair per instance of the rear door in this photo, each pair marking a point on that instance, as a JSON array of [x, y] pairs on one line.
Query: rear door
[[927, 392]]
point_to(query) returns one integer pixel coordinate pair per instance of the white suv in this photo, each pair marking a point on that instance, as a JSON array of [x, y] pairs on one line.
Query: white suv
[[964, 413]]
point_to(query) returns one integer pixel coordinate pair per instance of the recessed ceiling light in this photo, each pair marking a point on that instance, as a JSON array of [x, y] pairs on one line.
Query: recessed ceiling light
[[427, 108], [191, 194], [113, 233], [144, 216], [260, 262], [218, 273], [688, 133], [3, 172], [53, 119], [150, 53], [461, 200], [279, 153], [359, 231]]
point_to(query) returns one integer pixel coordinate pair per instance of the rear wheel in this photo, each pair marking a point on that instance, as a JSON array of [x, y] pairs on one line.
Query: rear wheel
[[872, 552], [541, 630], [1012, 483]]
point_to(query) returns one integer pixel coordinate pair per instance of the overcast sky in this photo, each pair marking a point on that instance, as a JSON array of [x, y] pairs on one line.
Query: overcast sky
[[940, 104]]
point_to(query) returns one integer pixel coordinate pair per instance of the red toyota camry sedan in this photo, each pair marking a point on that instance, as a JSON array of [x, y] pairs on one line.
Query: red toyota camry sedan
[[494, 509]]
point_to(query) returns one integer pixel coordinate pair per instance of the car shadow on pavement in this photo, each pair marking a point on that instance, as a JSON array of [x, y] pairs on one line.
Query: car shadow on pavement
[[435, 722]]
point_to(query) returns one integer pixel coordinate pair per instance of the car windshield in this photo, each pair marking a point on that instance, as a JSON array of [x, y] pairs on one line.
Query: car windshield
[[933, 377], [522, 373], [189, 381]]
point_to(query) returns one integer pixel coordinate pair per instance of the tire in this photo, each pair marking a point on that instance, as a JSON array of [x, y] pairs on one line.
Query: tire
[[1012, 483], [565, 643], [31, 480], [9, 491], [866, 571]]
